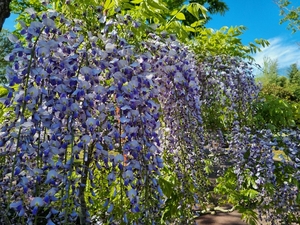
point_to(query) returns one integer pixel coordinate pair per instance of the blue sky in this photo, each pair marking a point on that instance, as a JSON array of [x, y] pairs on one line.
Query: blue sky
[[261, 17], [10, 22]]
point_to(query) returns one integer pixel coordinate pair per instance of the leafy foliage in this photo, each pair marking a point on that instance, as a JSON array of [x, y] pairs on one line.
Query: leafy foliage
[[6, 47], [269, 74], [4, 111], [276, 113], [279, 104], [192, 15], [161, 18], [277, 91], [224, 41], [290, 14]]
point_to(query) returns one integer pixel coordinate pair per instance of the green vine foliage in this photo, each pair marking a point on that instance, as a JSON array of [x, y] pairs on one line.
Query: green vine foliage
[[157, 15], [213, 7], [225, 41], [169, 184], [244, 197]]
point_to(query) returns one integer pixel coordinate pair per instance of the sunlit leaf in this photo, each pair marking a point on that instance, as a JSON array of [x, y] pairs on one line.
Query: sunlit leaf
[[3, 91], [136, 1], [180, 16], [197, 23], [174, 12], [156, 5], [108, 4], [196, 8], [189, 29]]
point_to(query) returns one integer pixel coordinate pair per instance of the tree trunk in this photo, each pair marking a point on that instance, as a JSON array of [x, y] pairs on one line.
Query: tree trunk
[[4, 11]]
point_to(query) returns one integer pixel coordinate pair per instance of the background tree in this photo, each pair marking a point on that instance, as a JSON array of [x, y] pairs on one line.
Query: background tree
[[276, 85], [291, 14], [293, 74], [5, 48], [269, 73], [280, 95], [282, 81]]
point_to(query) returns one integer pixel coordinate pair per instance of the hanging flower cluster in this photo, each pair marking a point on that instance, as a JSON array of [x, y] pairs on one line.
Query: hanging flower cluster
[[261, 183], [228, 86], [188, 91], [81, 103]]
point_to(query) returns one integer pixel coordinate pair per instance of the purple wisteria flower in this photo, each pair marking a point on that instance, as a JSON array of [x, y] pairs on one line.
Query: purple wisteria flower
[[36, 203]]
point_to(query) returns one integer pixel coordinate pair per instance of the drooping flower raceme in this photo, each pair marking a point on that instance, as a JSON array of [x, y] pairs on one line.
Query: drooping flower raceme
[[80, 99]]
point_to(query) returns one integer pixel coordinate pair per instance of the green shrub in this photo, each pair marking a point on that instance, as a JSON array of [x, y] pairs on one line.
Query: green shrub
[[276, 113]]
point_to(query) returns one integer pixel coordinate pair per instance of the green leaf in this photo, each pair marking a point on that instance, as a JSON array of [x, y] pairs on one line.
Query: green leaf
[[262, 42], [3, 91], [156, 5], [193, 8], [224, 29], [189, 29], [167, 187], [108, 4], [197, 23], [180, 16], [136, 1], [69, 8], [174, 12], [127, 6], [252, 193]]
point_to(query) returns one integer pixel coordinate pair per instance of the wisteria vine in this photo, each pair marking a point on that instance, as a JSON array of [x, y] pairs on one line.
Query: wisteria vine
[[97, 117]]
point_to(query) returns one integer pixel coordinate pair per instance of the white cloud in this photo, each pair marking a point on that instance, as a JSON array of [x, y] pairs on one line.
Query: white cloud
[[286, 52]]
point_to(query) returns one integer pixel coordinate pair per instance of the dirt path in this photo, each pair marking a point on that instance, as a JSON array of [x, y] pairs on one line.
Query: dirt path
[[233, 218]]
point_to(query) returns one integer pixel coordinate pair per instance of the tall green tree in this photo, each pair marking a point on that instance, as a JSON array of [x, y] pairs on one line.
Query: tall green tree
[[5, 48], [293, 74], [269, 74]]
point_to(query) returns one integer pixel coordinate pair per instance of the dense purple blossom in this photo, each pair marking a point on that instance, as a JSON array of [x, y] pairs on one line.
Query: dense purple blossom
[[67, 108]]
